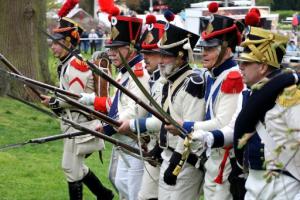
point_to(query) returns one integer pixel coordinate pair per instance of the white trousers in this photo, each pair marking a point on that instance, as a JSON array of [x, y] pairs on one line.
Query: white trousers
[[149, 188], [213, 190], [129, 178], [73, 163], [188, 185], [280, 188]]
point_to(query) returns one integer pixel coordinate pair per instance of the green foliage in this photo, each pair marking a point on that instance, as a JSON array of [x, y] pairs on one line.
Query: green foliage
[[263, 2], [34, 171], [53, 4], [284, 26], [285, 5], [283, 14]]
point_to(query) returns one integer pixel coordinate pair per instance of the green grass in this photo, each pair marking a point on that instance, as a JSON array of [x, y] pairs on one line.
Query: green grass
[[33, 171]]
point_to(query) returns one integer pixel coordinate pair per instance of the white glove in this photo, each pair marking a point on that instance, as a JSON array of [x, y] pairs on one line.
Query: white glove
[[206, 138], [87, 98]]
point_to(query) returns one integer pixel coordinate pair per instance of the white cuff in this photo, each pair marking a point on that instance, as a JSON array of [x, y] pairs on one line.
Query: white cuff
[[132, 125]]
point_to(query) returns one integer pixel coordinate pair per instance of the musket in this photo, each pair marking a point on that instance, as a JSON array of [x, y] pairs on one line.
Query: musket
[[16, 71], [43, 140], [107, 138], [104, 75], [65, 96], [32, 82], [164, 117], [33, 106]]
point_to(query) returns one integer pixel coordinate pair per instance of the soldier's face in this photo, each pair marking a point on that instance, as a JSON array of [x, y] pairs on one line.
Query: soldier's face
[[252, 72], [151, 60], [167, 65], [115, 57], [210, 56], [57, 50]]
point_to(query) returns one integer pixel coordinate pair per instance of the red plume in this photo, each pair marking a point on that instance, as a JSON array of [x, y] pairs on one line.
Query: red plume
[[114, 12], [67, 7], [252, 19], [106, 5], [213, 7], [256, 10], [150, 19]]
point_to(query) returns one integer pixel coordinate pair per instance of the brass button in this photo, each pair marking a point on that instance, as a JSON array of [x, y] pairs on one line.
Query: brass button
[[262, 158]]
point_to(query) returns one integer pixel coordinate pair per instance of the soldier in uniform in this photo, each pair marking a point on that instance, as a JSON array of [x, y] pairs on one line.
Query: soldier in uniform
[[125, 33], [75, 77], [268, 134], [150, 125], [220, 36], [182, 98]]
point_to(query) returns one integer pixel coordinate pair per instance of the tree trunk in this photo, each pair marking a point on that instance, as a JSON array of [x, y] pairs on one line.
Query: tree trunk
[[21, 40], [88, 6]]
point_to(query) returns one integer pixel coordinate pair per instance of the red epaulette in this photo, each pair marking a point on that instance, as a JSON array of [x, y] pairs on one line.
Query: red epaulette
[[138, 70], [79, 65], [233, 83]]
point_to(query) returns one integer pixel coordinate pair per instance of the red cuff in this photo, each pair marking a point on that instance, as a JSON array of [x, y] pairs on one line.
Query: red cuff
[[100, 104]]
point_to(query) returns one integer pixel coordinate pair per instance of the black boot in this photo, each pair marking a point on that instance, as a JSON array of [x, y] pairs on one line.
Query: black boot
[[96, 187], [75, 190]]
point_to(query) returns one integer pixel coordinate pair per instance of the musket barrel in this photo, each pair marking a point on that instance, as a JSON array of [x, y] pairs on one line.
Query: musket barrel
[[56, 137], [107, 138], [61, 93], [16, 71], [100, 115], [97, 114], [41, 85]]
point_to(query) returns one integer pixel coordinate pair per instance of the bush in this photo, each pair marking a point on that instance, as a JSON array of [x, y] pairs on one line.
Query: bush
[[283, 14]]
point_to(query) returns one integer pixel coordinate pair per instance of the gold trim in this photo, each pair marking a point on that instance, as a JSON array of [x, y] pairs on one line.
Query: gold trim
[[263, 50]]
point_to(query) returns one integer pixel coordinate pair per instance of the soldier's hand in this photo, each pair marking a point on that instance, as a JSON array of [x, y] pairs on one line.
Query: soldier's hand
[[87, 98], [170, 175], [172, 129], [46, 100], [203, 136], [155, 154], [125, 126], [100, 129]]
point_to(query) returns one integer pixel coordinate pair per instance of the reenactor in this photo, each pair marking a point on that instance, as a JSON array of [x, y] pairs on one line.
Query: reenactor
[[183, 99], [267, 128], [220, 36], [125, 34], [150, 125], [75, 77]]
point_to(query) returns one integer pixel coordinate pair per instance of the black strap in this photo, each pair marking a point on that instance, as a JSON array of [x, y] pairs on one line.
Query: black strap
[[193, 158], [285, 173]]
